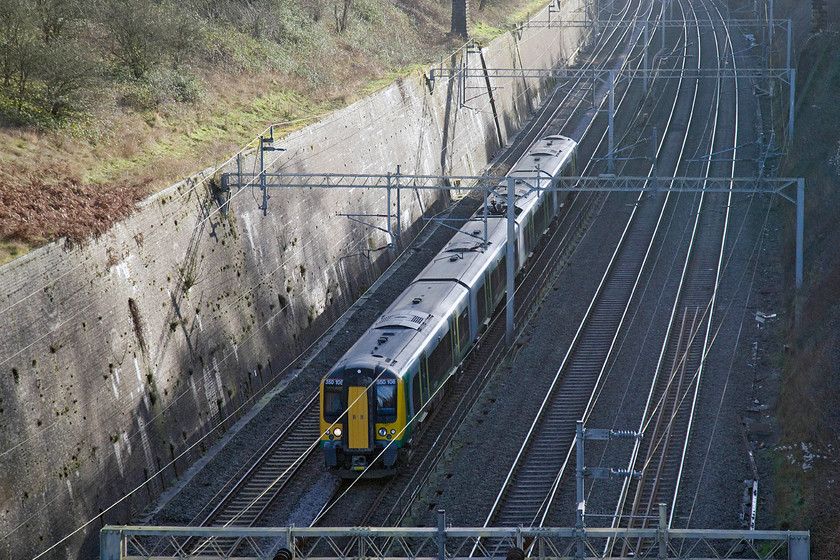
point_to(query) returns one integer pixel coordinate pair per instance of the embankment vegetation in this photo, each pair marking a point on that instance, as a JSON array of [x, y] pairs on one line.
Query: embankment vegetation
[[105, 101], [807, 457]]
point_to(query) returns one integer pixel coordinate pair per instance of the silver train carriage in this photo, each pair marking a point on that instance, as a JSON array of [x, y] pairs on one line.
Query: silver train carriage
[[378, 393]]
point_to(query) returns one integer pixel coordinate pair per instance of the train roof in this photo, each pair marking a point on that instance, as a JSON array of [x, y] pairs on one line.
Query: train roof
[[401, 332], [467, 248], [546, 158], [548, 146], [466, 255], [421, 311]]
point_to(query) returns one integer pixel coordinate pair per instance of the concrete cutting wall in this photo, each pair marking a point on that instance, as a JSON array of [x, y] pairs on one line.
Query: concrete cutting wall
[[117, 357]]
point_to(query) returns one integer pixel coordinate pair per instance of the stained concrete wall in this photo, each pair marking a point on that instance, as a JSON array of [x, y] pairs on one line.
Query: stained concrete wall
[[120, 355]]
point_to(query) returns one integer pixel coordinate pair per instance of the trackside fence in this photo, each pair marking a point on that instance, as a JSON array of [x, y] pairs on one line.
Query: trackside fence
[[446, 543]]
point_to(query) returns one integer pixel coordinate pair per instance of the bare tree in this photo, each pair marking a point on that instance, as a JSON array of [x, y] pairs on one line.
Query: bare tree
[[316, 9], [53, 16], [65, 71], [341, 23], [818, 15], [460, 17], [137, 34], [19, 49]]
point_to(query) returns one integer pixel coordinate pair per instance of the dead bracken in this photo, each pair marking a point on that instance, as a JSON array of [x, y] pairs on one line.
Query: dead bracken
[[44, 207]]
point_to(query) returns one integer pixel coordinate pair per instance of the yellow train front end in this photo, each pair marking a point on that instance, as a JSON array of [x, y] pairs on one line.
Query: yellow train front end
[[363, 419]]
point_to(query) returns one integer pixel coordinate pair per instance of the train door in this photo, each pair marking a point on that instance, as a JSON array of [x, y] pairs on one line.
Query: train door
[[360, 416], [358, 419], [423, 376]]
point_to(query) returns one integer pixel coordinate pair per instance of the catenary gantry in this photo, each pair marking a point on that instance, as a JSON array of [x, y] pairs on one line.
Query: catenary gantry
[[394, 183]]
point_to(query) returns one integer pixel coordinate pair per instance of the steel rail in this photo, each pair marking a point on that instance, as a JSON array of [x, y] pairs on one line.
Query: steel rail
[[659, 154], [591, 183], [247, 500], [239, 516], [429, 543], [739, 22], [708, 340], [507, 484], [655, 441], [782, 74], [411, 489], [678, 349], [626, 484], [486, 356], [235, 516]]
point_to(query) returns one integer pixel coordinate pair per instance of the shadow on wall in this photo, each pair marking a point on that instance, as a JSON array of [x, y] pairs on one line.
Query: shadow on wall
[[448, 123]]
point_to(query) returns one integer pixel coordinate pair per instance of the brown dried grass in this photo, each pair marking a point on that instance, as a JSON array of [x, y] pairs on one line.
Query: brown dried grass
[[55, 185], [44, 206]]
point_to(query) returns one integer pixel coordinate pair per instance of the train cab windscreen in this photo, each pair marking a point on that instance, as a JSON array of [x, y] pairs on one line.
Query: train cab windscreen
[[334, 404], [386, 400]]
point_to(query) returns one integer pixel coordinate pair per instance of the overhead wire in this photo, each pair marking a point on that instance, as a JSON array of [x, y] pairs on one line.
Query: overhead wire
[[233, 414], [185, 194], [198, 225], [227, 355], [755, 258]]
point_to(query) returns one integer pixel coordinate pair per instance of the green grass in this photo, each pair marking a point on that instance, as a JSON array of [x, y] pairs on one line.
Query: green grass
[[484, 33], [499, 22], [225, 125], [10, 250], [183, 116], [386, 80]]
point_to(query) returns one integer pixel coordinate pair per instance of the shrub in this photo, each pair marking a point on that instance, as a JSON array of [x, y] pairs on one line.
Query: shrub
[[66, 72], [136, 34], [163, 85], [369, 11]]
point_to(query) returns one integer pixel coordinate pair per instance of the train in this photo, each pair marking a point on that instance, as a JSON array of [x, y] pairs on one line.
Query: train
[[375, 397]]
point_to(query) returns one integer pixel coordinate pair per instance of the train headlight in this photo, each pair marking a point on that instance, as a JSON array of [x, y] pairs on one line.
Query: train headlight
[[393, 431], [337, 432], [382, 432]]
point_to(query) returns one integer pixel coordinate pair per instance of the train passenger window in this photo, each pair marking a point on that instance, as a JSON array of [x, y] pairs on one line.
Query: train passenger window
[[386, 403], [334, 405], [499, 279], [440, 361], [481, 299], [463, 328]]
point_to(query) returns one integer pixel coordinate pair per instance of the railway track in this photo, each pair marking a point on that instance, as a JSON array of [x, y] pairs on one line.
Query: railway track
[[245, 503], [387, 504], [675, 388], [577, 384], [469, 382], [247, 499], [529, 490], [527, 493], [488, 350], [250, 496]]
